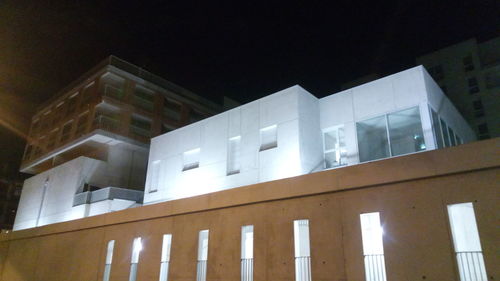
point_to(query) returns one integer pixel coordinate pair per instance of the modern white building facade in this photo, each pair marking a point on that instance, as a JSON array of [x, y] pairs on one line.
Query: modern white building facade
[[292, 133]]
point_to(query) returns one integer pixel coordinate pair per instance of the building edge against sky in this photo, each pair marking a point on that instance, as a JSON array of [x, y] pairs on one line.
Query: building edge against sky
[[285, 134]]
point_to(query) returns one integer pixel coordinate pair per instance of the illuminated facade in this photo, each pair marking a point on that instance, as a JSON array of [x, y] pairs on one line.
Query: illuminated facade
[[291, 133], [88, 146]]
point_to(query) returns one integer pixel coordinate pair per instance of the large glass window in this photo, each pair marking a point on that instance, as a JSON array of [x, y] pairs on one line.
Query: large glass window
[[446, 136], [372, 139], [335, 151], [302, 250], [405, 131], [436, 128], [373, 247], [247, 253], [466, 241]]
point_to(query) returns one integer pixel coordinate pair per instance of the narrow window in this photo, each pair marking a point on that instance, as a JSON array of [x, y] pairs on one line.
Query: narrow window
[[466, 241], [233, 156], [436, 128], [136, 250], [334, 147], [473, 85], [373, 248], [405, 131], [468, 63], [452, 136], [165, 256], [445, 134], [201, 269], [247, 253], [372, 139], [478, 108], [302, 250], [155, 173], [483, 131], [268, 138], [109, 260], [191, 159]]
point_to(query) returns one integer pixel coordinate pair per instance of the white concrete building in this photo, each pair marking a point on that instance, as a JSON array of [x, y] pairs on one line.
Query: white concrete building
[[292, 133]]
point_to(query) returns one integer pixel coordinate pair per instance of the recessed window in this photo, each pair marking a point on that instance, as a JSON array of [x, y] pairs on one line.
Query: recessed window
[[268, 138], [472, 85], [483, 131], [140, 126], [134, 261], [143, 98], [436, 128], [233, 155], [201, 269], [112, 86], [446, 136], [165, 256], [155, 174], [478, 108], [373, 248], [247, 253], [334, 147], [466, 242], [468, 63], [302, 250], [191, 159], [109, 260]]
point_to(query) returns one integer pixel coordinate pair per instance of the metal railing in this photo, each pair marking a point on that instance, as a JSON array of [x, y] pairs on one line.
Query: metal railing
[[246, 269], [112, 92], [303, 269], [375, 268], [201, 270], [471, 266]]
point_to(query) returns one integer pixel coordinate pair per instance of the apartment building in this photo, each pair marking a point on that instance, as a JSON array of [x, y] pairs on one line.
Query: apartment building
[[469, 74], [91, 141]]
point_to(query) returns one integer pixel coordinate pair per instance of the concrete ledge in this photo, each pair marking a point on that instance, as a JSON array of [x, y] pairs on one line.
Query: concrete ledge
[[460, 159]]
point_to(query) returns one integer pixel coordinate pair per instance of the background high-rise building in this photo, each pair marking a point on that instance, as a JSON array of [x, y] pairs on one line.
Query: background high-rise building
[[469, 74]]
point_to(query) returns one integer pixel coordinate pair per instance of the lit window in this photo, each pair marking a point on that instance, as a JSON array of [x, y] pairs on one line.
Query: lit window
[[155, 173], [191, 159], [143, 98], [109, 260], [136, 250], [373, 248], [334, 147], [268, 138], [233, 155], [466, 242], [165, 256], [201, 269], [247, 253], [302, 250]]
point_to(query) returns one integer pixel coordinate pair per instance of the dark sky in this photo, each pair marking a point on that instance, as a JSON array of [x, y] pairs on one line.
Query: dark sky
[[245, 50]]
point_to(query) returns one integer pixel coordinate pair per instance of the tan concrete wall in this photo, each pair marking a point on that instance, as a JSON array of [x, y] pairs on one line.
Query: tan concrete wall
[[410, 192]]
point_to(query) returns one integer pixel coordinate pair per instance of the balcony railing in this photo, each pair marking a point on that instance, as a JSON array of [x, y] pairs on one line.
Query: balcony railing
[[303, 268], [246, 269], [471, 266], [143, 103], [140, 131], [113, 92], [375, 268], [107, 123]]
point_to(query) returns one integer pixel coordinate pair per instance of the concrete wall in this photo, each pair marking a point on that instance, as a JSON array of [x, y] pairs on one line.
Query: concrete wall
[[410, 192]]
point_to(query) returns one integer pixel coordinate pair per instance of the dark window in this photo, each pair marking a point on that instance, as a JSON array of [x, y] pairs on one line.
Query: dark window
[[468, 64], [483, 131], [436, 72], [172, 109], [473, 86]]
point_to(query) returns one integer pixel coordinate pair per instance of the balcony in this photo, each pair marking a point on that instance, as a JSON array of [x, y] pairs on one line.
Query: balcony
[[113, 92], [143, 103], [107, 123]]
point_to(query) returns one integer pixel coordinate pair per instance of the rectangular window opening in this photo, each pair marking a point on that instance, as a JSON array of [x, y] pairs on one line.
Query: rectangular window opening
[[233, 155], [268, 138], [334, 147], [109, 260], [191, 159], [373, 248], [466, 242], [134, 261], [436, 128], [155, 174], [201, 269], [165, 256], [247, 253], [302, 250]]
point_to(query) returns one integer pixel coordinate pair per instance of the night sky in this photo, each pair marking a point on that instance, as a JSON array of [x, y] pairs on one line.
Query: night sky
[[245, 50]]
